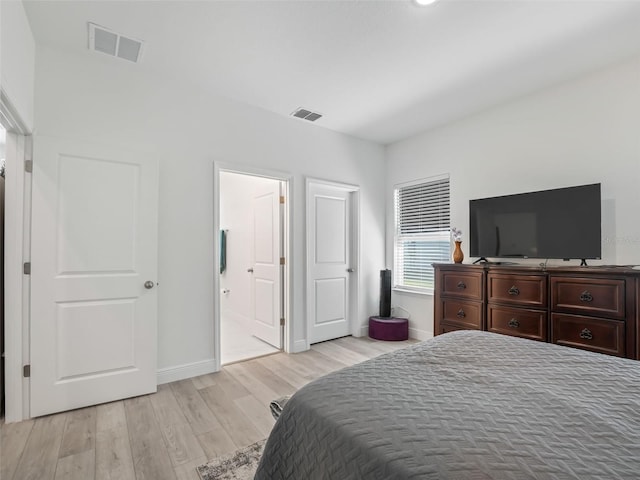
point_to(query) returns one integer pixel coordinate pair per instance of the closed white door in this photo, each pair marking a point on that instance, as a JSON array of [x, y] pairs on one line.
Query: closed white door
[[329, 262], [266, 283], [93, 279]]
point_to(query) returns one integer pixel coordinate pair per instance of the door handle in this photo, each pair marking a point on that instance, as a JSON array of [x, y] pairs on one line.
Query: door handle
[[351, 270], [586, 296], [148, 284], [586, 334], [250, 270]]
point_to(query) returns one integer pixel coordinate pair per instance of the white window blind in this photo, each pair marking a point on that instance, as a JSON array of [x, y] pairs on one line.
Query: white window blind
[[422, 232]]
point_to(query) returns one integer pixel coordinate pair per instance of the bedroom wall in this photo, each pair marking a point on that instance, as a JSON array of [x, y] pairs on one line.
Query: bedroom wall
[[580, 132], [17, 59], [97, 98]]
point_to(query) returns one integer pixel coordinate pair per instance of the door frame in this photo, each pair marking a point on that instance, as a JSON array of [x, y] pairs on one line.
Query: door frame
[[354, 280], [287, 180], [17, 251]]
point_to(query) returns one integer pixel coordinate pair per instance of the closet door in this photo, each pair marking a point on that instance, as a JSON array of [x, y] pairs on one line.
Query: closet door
[[94, 269]]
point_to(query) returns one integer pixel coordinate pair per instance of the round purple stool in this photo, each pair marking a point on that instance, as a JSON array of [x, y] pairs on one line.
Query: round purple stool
[[389, 328]]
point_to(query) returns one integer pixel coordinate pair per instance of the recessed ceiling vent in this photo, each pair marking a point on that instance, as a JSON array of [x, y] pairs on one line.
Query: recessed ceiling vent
[[306, 114], [106, 41]]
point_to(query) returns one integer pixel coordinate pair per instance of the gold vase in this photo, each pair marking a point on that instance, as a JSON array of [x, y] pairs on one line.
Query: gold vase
[[458, 256]]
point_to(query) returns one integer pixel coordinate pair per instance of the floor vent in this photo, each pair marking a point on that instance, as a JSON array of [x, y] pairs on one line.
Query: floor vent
[[113, 44], [306, 114]]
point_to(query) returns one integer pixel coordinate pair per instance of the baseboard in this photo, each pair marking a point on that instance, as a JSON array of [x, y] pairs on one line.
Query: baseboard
[[188, 370], [300, 346], [364, 331], [420, 334]]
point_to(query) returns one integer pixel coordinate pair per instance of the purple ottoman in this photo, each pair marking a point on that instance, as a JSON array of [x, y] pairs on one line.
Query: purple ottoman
[[389, 328]]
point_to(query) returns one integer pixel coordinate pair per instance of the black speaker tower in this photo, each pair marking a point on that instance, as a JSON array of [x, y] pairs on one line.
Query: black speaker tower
[[385, 293]]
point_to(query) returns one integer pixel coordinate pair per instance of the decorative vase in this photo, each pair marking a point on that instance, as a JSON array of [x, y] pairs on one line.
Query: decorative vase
[[458, 256]]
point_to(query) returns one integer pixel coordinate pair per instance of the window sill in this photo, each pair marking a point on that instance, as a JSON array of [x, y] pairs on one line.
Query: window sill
[[413, 292]]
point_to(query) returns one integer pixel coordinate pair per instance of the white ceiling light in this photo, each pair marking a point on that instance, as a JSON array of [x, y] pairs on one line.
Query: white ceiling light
[[108, 42], [422, 3]]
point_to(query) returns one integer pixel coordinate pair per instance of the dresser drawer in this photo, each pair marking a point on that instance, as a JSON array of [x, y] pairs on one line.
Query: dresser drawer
[[462, 284], [518, 322], [467, 314], [588, 296], [596, 334], [526, 290], [446, 328]]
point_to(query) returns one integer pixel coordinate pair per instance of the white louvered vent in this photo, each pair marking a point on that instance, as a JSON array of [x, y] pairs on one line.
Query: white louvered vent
[[306, 114], [111, 43]]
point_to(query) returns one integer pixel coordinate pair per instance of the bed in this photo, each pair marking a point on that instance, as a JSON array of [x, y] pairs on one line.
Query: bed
[[464, 405]]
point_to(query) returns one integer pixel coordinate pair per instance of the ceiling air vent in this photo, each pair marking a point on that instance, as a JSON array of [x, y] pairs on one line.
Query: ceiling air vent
[[106, 41], [306, 114]]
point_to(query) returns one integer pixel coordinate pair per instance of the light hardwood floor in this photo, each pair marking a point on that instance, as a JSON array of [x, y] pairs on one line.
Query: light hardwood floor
[[166, 435]]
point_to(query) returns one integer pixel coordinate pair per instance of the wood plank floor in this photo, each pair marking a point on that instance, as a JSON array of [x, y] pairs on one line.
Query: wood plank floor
[[165, 436]]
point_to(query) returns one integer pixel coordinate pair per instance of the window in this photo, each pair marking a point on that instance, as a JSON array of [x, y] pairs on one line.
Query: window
[[421, 232]]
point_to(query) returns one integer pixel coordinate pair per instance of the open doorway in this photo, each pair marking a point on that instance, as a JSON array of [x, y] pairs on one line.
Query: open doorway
[[251, 278]]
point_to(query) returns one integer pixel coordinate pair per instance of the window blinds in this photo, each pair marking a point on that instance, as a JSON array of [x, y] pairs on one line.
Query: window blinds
[[421, 232]]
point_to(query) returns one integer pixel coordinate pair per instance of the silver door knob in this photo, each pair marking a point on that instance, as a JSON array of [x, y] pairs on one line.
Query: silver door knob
[[351, 270], [148, 284], [250, 270]]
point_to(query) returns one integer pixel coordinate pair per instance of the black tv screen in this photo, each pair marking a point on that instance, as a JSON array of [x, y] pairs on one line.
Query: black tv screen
[[561, 223]]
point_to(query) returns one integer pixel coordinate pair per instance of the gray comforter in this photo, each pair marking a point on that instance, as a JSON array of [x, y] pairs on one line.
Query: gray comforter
[[465, 405]]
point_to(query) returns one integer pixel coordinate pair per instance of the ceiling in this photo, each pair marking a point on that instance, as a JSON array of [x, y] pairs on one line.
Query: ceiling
[[378, 70]]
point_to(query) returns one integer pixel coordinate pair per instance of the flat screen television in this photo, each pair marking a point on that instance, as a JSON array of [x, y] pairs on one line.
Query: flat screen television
[[563, 223]]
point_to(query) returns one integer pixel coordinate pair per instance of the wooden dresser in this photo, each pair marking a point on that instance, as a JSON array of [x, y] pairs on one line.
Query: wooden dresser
[[593, 308]]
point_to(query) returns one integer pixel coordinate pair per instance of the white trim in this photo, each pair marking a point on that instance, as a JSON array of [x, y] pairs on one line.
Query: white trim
[[354, 307], [17, 251], [9, 117], [300, 346], [16, 284], [287, 179], [432, 178], [354, 291], [346, 187], [364, 330], [420, 334], [188, 370], [413, 292]]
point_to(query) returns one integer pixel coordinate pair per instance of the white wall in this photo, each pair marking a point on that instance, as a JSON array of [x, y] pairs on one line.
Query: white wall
[[17, 57], [236, 215], [580, 132], [98, 98]]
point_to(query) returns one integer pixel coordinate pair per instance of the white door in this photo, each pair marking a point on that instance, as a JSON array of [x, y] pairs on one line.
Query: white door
[[328, 261], [266, 290], [93, 276]]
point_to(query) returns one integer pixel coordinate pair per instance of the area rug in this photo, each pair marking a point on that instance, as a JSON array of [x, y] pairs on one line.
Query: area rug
[[240, 465]]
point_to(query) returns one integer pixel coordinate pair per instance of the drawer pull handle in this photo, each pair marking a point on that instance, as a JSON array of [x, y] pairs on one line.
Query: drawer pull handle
[[586, 296], [514, 290], [461, 314], [586, 334], [461, 285], [513, 323]]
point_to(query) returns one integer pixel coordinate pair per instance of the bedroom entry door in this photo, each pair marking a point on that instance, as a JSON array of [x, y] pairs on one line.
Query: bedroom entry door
[[331, 271], [93, 275], [267, 270]]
